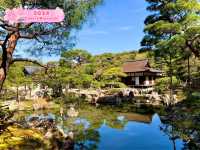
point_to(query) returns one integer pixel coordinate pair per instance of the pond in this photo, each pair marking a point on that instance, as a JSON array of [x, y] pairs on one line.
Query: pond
[[105, 128]]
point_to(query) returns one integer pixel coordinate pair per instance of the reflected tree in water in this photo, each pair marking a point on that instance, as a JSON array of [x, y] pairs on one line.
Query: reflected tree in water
[[175, 132]]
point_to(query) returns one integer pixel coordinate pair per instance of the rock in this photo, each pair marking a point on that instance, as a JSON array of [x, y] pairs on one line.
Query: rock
[[131, 94], [118, 100], [59, 139], [40, 104], [49, 134], [71, 135], [155, 96], [120, 94], [175, 100], [108, 100], [60, 129], [168, 101], [34, 118], [38, 121], [68, 144], [72, 112]]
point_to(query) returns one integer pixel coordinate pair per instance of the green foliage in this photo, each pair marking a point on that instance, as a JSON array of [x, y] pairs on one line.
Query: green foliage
[[114, 74], [55, 77], [163, 84], [77, 68], [174, 24], [76, 56], [172, 31], [54, 36], [9, 4], [102, 71], [16, 76]]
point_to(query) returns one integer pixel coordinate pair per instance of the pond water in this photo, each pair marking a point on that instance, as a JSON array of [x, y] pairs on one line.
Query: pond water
[[109, 129], [138, 136]]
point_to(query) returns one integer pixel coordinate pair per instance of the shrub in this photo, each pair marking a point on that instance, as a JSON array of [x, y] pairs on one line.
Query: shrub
[[163, 84]]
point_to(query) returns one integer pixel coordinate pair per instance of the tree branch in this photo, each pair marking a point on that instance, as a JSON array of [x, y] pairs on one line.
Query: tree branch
[[9, 27], [28, 60], [189, 44], [1, 42], [34, 35], [1, 20], [28, 25], [16, 28]]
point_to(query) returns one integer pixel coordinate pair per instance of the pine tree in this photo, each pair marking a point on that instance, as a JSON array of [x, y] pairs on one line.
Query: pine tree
[[53, 36], [161, 15], [173, 31], [175, 21]]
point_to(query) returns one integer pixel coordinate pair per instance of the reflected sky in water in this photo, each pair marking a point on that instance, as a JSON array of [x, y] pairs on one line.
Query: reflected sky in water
[[136, 136], [106, 129]]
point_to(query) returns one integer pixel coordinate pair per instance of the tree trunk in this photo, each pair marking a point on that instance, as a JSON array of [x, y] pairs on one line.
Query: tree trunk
[[30, 92], [189, 74], [8, 48], [17, 94], [171, 79], [25, 88]]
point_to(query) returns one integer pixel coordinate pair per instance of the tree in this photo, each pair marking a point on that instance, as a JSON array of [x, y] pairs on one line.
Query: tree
[[17, 78], [41, 36], [155, 22], [173, 19], [169, 54], [55, 77], [79, 62], [173, 31], [78, 56], [113, 76]]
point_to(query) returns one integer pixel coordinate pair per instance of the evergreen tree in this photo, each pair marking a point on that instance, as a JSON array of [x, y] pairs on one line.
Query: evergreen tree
[[51, 37], [161, 17], [173, 20], [173, 31]]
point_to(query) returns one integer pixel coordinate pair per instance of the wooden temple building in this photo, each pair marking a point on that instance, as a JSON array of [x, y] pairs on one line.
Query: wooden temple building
[[140, 74], [147, 118]]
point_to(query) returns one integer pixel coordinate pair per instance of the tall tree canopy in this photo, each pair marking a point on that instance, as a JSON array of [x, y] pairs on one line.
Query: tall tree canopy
[[174, 22], [40, 37], [173, 31]]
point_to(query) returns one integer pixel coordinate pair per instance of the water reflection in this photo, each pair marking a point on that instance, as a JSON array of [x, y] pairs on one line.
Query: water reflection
[[174, 134], [106, 129], [147, 118]]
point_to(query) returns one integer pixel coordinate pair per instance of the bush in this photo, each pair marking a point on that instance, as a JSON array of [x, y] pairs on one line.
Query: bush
[[113, 91], [163, 84]]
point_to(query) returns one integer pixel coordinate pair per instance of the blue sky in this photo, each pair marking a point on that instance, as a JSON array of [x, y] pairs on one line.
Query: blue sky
[[116, 26]]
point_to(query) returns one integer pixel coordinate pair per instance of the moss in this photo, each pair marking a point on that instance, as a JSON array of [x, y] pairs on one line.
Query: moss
[[19, 138], [113, 91]]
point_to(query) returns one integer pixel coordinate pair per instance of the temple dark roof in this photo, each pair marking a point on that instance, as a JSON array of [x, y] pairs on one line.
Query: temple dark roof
[[138, 66]]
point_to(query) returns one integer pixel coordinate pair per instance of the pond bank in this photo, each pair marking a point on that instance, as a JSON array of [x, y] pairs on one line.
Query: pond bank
[[117, 96], [184, 117]]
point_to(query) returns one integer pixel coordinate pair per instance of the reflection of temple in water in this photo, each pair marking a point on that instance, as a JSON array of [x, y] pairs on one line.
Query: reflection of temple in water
[[138, 117]]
